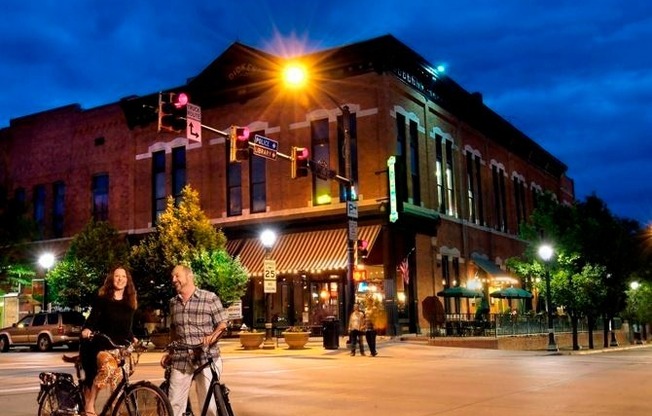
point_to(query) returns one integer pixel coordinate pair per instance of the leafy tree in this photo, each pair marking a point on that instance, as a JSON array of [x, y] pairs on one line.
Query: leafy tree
[[184, 235], [75, 280]]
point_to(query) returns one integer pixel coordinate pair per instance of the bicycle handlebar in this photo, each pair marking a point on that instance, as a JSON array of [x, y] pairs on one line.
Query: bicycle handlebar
[[178, 345]]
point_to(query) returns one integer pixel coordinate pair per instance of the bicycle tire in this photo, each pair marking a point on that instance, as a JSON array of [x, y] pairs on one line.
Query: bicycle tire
[[221, 394], [143, 399], [51, 404]]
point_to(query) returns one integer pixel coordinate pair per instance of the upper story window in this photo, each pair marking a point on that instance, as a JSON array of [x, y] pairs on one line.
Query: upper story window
[[414, 163], [178, 172], [500, 197], [100, 191], [320, 152], [158, 185], [353, 136], [39, 209], [518, 183], [401, 156], [58, 209], [258, 181], [474, 188], [233, 187], [444, 175]]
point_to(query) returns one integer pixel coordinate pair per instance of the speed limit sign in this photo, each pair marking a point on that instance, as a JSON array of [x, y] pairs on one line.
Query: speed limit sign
[[269, 276]]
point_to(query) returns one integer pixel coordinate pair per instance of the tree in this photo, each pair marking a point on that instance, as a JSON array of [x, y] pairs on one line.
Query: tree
[[184, 235], [97, 249]]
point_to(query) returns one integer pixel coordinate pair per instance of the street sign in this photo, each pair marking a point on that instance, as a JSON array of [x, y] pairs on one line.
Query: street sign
[[352, 209], [193, 122], [265, 147], [269, 276], [353, 230]]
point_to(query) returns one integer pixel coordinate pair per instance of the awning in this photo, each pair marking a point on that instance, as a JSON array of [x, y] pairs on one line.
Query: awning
[[310, 252], [489, 267]]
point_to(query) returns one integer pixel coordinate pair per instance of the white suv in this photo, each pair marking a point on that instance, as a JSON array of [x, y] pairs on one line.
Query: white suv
[[44, 330]]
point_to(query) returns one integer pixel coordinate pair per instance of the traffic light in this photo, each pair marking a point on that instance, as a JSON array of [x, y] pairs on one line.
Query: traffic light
[[300, 164], [239, 144], [363, 249], [172, 111]]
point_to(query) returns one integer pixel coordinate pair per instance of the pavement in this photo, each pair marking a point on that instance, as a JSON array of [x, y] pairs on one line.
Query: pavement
[[231, 348]]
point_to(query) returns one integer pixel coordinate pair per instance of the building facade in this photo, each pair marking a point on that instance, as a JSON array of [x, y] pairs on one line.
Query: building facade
[[442, 182]]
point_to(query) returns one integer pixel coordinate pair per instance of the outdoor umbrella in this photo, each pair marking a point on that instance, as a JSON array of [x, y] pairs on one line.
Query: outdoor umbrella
[[459, 292], [511, 293]]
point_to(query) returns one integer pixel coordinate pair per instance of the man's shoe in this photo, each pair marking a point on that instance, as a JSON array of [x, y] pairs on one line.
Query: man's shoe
[[373, 354], [352, 354]]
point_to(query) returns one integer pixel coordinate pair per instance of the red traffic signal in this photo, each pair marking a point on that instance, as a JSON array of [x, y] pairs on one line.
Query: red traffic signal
[[300, 162], [239, 144], [172, 111], [363, 249]]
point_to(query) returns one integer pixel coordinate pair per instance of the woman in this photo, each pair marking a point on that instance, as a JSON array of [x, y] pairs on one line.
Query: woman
[[112, 314]]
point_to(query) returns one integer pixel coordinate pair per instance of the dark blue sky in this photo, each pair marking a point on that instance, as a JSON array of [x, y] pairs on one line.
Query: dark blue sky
[[574, 76]]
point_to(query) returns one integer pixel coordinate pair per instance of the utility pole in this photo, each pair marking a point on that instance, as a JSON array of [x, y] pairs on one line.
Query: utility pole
[[351, 207]]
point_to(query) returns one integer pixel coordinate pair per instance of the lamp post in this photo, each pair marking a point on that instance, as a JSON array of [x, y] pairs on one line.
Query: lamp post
[[546, 252], [268, 238], [295, 76]]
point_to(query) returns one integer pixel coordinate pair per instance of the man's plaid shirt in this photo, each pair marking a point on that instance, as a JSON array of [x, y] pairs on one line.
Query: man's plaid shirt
[[193, 321]]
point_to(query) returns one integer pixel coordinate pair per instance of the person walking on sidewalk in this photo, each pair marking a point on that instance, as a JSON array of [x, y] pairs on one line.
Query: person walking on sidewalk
[[370, 336], [356, 326]]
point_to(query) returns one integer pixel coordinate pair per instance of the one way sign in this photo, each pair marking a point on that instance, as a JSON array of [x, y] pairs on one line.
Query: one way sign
[[193, 122]]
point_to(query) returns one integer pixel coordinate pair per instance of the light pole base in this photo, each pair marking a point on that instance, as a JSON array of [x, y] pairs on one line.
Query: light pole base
[[268, 344]]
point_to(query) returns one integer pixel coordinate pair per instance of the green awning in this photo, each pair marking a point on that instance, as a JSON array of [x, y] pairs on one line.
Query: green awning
[[489, 267]]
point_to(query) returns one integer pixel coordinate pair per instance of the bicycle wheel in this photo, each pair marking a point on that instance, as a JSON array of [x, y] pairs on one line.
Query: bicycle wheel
[[58, 399], [221, 394], [143, 399]]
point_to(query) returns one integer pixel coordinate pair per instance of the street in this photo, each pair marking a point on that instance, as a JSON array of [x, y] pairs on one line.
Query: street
[[406, 378]]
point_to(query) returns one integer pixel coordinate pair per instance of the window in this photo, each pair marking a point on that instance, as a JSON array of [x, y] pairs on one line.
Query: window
[[519, 199], [58, 191], [158, 185], [101, 197], [320, 153], [354, 150], [474, 188], [500, 212], [178, 172], [414, 163], [39, 209], [450, 190], [234, 188], [439, 172], [401, 158], [258, 181]]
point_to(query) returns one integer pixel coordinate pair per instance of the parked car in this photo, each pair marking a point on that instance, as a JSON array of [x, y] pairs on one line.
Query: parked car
[[44, 330]]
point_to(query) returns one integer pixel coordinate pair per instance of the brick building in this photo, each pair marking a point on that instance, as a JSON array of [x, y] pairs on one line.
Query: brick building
[[464, 178]]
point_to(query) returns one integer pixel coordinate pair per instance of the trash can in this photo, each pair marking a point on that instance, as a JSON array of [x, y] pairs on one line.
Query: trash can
[[330, 331]]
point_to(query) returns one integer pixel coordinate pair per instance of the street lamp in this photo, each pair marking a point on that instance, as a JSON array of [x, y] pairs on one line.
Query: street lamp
[[546, 252], [295, 76], [268, 238], [46, 261]]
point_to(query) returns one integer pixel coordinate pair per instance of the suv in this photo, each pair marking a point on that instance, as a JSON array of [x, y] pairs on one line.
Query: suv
[[44, 330]]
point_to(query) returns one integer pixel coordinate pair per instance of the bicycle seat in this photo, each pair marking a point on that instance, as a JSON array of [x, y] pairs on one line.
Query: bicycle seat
[[70, 358]]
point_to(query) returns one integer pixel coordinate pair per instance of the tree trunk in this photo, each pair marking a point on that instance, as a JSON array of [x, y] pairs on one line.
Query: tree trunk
[[605, 328], [590, 321], [574, 320]]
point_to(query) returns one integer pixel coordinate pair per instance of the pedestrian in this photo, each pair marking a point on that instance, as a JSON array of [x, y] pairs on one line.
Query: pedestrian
[[112, 314], [356, 326], [370, 336], [197, 316]]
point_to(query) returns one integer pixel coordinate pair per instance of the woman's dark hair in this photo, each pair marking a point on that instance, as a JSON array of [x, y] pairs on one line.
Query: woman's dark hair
[[107, 290]]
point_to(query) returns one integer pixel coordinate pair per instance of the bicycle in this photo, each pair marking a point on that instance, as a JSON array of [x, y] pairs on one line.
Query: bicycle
[[219, 390], [61, 396]]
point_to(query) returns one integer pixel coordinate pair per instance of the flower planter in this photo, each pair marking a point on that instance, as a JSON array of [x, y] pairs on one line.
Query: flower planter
[[251, 340], [296, 340]]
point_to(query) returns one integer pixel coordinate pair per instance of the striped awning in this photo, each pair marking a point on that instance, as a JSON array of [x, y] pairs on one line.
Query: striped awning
[[306, 252]]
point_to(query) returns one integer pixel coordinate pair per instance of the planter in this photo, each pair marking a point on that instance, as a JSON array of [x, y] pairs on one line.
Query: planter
[[251, 340], [296, 340]]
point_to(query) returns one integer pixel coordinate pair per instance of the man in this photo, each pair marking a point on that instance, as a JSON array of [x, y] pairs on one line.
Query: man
[[356, 327], [197, 316]]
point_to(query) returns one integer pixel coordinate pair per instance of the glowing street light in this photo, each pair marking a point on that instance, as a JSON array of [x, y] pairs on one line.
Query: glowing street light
[[46, 260], [546, 252]]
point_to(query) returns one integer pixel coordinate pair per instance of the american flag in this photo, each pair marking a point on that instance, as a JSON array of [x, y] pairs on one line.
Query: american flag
[[404, 268]]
